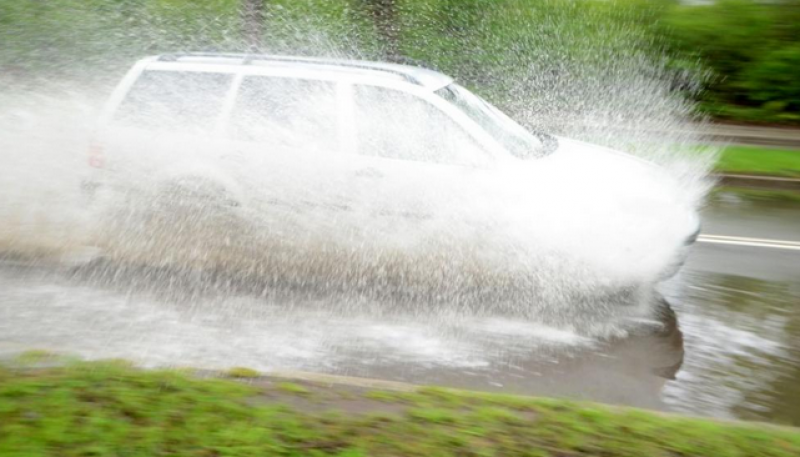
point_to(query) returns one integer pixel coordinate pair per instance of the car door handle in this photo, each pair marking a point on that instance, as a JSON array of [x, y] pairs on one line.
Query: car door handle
[[369, 173]]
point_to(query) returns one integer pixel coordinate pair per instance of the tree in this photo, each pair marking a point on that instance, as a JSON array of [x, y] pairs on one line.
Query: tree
[[384, 14], [253, 15]]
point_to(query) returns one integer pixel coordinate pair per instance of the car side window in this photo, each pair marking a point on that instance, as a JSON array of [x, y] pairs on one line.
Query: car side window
[[398, 125], [172, 100], [296, 113]]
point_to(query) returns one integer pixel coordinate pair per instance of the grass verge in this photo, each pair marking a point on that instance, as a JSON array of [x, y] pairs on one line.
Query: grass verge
[[111, 408], [759, 160]]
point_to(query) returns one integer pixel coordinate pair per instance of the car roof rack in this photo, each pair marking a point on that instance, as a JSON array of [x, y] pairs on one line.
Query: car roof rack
[[249, 58]]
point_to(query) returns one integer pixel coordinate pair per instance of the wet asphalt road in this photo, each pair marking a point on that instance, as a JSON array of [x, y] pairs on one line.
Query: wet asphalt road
[[726, 342], [739, 310]]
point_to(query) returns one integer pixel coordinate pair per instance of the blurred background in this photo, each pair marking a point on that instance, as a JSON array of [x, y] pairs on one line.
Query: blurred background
[[743, 54]]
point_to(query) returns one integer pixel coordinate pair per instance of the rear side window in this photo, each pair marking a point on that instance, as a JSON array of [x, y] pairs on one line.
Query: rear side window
[[398, 125], [293, 113], [171, 100]]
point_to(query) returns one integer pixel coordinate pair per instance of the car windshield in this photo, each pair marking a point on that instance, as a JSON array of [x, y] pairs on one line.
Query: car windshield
[[502, 128]]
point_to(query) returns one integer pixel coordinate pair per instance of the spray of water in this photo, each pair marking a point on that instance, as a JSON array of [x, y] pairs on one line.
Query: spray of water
[[453, 245]]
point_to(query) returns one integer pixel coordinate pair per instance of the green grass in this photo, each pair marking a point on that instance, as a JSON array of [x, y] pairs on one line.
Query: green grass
[[292, 388], [242, 373], [36, 355], [112, 409], [759, 160]]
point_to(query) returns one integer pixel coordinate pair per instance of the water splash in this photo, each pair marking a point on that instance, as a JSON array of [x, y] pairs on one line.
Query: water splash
[[621, 98]]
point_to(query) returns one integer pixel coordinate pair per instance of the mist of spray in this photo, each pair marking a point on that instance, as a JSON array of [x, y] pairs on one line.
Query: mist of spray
[[622, 97]]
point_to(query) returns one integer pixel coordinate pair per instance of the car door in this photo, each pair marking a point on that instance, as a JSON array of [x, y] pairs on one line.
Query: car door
[[285, 147], [164, 126], [416, 171]]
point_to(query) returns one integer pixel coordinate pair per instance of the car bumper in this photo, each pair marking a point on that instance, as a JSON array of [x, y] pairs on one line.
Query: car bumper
[[681, 256]]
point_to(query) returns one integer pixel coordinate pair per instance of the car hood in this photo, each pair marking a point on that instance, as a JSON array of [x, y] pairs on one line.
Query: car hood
[[619, 214]]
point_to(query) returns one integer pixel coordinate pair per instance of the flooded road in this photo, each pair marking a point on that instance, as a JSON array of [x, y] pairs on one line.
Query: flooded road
[[734, 350], [739, 310]]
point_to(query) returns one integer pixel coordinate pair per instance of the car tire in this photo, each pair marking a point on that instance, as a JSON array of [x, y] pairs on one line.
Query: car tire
[[181, 223], [194, 194]]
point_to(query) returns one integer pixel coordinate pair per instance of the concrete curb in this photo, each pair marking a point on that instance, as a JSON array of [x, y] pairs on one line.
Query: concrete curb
[[730, 134], [10, 350], [758, 182], [753, 135], [329, 379], [726, 134]]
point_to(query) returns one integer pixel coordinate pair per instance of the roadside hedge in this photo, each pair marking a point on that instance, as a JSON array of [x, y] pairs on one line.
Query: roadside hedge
[[753, 51]]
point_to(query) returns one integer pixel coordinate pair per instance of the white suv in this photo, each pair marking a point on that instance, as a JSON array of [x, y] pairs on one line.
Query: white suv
[[370, 162]]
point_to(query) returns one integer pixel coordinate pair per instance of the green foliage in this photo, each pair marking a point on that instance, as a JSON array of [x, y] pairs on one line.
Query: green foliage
[[773, 79], [744, 52], [97, 39], [36, 356], [292, 388], [110, 408], [313, 27], [242, 372], [513, 50], [751, 48]]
